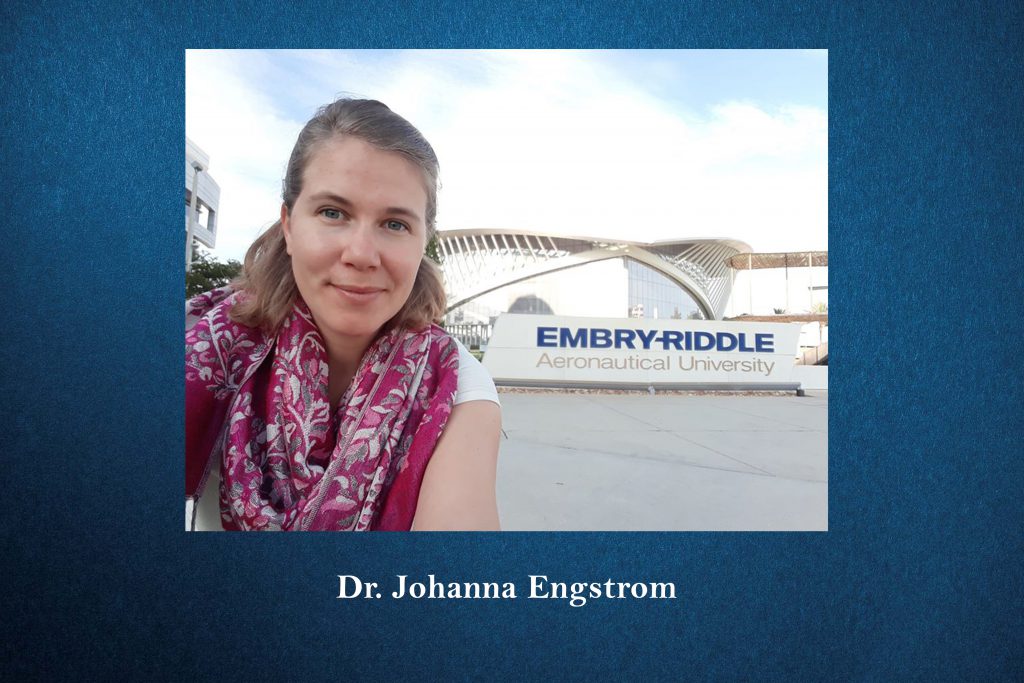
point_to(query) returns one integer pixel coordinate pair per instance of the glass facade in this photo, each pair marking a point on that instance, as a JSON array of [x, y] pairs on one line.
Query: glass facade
[[653, 295]]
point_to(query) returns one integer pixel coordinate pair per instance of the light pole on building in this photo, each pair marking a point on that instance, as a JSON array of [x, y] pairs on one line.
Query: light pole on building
[[192, 214]]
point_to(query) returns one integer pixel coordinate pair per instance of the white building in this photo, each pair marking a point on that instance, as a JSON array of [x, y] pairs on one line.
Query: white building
[[202, 197]]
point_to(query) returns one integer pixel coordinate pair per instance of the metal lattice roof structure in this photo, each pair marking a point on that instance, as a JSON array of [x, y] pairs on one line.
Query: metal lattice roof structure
[[479, 261], [790, 259]]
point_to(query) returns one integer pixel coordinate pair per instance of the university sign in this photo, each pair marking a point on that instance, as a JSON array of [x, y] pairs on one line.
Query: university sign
[[560, 351]]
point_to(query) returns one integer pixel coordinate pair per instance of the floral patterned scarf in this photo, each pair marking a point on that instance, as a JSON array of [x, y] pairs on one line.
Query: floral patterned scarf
[[260, 406]]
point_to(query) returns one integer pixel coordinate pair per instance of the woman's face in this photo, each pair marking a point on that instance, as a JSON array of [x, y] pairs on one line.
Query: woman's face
[[356, 235]]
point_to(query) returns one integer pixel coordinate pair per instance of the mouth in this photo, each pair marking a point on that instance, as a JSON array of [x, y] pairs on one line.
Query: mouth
[[358, 295]]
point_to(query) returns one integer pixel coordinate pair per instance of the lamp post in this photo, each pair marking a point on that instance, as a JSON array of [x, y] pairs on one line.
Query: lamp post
[[193, 208]]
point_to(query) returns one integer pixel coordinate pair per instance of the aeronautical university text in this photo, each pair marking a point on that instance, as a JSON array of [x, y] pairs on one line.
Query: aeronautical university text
[[653, 340]]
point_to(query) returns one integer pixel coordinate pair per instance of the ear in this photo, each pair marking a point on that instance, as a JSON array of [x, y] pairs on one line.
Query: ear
[[286, 228]]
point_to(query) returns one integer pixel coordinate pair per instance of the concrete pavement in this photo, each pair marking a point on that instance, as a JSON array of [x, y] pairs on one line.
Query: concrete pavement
[[637, 462]]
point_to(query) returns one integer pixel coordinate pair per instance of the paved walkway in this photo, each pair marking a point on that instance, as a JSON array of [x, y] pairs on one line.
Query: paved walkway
[[636, 462]]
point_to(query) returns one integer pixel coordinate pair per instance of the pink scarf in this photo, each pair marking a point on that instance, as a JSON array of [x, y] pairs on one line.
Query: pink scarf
[[260, 405]]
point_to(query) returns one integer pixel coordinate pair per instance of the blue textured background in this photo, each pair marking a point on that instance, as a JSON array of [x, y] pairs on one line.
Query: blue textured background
[[919, 577]]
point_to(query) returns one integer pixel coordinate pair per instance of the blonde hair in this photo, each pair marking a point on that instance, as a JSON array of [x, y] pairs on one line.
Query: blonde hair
[[267, 271]]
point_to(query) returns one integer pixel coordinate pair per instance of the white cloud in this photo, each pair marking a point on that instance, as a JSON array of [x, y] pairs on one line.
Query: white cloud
[[247, 140], [537, 140]]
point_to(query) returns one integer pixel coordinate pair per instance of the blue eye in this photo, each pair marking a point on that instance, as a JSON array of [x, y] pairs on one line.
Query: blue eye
[[396, 226], [331, 214]]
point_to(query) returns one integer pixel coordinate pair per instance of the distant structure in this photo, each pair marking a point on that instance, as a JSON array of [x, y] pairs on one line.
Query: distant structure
[[490, 272], [202, 199], [784, 283], [784, 287]]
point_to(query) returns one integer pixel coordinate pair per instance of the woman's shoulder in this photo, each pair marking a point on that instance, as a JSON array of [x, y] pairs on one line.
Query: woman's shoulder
[[475, 383], [220, 353], [206, 304], [214, 308], [208, 323]]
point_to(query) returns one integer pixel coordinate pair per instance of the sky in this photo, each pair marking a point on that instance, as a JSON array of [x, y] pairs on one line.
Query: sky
[[643, 145]]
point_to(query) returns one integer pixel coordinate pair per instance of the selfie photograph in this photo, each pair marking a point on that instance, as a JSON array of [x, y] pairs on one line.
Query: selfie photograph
[[519, 290]]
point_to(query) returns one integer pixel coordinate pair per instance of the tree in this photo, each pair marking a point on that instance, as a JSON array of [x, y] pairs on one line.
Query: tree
[[433, 250], [208, 273]]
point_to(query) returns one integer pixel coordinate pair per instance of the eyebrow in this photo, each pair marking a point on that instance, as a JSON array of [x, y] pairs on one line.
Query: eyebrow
[[338, 199]]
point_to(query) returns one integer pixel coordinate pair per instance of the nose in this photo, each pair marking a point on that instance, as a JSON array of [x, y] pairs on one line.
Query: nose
[[361, 250]]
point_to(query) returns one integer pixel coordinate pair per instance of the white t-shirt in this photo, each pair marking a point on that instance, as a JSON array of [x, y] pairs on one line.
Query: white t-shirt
[[475, 384]]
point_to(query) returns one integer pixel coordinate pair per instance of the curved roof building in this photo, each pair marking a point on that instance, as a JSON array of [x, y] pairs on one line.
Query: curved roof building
[[488, 272]]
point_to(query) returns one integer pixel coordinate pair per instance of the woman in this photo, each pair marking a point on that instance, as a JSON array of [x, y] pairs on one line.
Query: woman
[[316, 384]]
